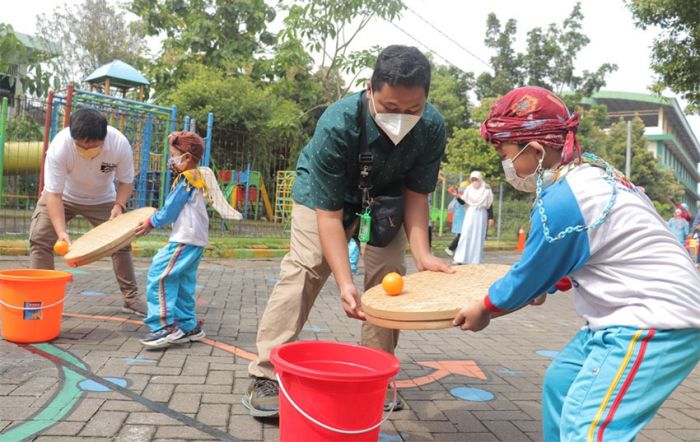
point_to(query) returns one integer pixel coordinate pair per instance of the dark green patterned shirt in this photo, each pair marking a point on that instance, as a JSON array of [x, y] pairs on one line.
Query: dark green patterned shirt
[[328, 169]]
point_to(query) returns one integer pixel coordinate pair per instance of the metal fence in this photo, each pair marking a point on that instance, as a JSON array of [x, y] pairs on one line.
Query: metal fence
[[248, 166]]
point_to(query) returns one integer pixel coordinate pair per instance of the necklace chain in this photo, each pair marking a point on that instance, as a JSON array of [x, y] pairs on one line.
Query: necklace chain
[[610, 178]]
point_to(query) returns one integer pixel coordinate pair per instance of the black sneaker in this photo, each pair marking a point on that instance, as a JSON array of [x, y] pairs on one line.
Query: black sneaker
[[196, 334], [389, 401], [262, 399], [163, 337]]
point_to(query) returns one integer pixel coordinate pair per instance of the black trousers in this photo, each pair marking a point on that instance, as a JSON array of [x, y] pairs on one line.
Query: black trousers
[[454, 243]]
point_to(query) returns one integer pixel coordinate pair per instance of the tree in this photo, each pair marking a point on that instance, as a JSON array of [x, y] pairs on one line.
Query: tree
[[91, 34], [36, 79], [676, 50], [328, 27], [214, 33], [449, 93], [548, 61], [659, 183]]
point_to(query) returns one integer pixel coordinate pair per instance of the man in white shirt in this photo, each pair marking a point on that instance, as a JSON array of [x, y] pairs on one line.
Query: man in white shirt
[[82, 164]]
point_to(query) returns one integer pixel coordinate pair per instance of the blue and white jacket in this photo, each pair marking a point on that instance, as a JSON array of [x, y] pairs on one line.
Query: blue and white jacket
[[186, 209], [630, 271]]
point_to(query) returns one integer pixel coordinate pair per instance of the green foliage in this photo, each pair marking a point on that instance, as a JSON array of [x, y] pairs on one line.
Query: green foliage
[[676, 50], [24, 128], [214, 33], [467, 151], [659, 183], [237, 102], [328, 27], [548, 61], [91, 33], [449, 89], [36, 80]]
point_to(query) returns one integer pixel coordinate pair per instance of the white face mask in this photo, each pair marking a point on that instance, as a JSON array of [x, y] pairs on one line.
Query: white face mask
[[395, 126], [174, 162], [528, 183]]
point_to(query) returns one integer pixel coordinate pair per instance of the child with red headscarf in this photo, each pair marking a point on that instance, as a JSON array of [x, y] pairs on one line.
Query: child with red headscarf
[[633, 283], [172, 277]]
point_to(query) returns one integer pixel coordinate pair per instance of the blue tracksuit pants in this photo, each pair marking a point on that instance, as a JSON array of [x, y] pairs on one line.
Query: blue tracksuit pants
[[605, 385], [170, 287]]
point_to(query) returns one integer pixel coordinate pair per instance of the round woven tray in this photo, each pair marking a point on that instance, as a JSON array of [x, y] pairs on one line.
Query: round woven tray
[[430, 299], [106, 238]]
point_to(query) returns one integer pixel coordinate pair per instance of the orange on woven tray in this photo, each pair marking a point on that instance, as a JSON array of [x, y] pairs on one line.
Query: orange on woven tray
[[106, 238], [430, 300]]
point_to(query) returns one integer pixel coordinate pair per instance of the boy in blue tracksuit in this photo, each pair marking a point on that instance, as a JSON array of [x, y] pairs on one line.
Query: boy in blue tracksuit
[[170, 285], [633, 283]]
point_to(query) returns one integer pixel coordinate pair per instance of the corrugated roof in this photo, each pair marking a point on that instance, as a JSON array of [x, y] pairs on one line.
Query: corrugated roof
[[119, 74]]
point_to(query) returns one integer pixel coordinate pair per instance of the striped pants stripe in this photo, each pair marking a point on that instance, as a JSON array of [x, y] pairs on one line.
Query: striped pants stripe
[[605, 385], [170, 287]]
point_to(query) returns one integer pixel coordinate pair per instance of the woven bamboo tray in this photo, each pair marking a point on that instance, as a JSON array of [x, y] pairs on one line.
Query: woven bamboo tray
[[106, 238], [430, 300]]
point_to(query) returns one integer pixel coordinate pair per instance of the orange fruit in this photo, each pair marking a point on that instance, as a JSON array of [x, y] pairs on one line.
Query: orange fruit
[[392, 284], [60, 248]]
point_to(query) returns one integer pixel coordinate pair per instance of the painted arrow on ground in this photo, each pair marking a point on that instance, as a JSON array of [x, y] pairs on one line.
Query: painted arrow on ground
[[443, 369]]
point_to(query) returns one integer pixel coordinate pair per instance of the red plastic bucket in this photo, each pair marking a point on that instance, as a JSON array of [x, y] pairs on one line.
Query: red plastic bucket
[[331, 391], [31, 304]]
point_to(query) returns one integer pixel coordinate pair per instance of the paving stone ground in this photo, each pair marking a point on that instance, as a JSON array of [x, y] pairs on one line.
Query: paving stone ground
[[193, 392]]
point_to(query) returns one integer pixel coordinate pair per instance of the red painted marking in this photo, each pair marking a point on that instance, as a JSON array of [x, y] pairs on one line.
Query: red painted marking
[[443, 369]]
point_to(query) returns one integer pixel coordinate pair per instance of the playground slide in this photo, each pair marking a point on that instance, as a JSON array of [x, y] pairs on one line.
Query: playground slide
[[22, 157]]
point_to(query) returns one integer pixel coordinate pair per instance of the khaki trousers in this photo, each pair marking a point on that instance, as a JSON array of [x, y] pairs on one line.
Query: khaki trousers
[[42, 237], [303, 273]]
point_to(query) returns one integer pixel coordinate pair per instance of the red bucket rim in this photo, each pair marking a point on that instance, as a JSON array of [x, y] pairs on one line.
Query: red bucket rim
[[281, 364], [34, 275]]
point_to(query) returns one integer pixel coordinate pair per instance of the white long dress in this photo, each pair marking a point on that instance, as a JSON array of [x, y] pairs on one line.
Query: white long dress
[[471, 243]]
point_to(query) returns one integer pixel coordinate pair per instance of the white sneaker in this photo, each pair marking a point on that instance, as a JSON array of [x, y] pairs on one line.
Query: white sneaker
[[449, 252]]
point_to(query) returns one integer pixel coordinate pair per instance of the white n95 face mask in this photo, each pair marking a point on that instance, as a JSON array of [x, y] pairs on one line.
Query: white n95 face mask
[[395, 126], [528, 183]]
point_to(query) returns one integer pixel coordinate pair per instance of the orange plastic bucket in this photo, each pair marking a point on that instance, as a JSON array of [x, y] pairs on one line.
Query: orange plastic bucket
[[31, 304], [331, 391]]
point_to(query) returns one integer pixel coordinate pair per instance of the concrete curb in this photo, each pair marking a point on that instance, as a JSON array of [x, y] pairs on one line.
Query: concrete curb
[[213, 250]]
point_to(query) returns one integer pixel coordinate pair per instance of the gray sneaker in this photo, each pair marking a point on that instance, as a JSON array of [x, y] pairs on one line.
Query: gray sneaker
[[449, 251], [196, 334], [134, 307], [262, 398]]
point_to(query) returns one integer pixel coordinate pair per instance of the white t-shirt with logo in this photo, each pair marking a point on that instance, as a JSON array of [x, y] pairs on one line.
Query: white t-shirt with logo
[[83, 181]]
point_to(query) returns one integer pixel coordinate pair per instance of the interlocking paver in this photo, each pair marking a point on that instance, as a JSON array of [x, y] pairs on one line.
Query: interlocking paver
[[206, 383]]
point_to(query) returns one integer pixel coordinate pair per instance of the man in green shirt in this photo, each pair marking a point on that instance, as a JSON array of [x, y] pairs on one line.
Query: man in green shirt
[[406, 137]]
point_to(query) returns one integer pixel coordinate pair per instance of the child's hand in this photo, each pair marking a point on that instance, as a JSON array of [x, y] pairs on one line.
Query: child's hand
[[539, 300], [143, 228], [475, 316]]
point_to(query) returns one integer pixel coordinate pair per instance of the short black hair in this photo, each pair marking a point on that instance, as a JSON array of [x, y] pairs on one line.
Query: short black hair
[[88, 125], [401, 65]]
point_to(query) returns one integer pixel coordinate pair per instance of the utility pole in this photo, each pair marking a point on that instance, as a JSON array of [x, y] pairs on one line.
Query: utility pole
[[628, 156]]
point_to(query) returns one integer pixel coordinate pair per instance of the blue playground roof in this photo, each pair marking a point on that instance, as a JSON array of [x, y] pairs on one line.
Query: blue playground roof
[[119, 74]]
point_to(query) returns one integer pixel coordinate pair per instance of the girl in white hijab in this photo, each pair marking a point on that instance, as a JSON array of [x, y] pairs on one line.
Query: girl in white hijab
[[477, 198]]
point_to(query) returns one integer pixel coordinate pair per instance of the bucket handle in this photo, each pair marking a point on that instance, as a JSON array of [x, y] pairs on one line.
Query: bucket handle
[[72, 286], [328, 427]]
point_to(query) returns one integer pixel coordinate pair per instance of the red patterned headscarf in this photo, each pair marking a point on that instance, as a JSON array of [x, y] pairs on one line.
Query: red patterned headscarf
[[533, 113]]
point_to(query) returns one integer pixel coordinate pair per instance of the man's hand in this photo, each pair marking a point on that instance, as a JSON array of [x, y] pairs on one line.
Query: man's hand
[[63, 236], [475, 316], [116, 211], [432, 262], [351, 301], [143, 228], [492, 222]]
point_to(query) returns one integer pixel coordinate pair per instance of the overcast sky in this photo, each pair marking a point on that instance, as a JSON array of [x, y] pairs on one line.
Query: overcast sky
[[608, 24]]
